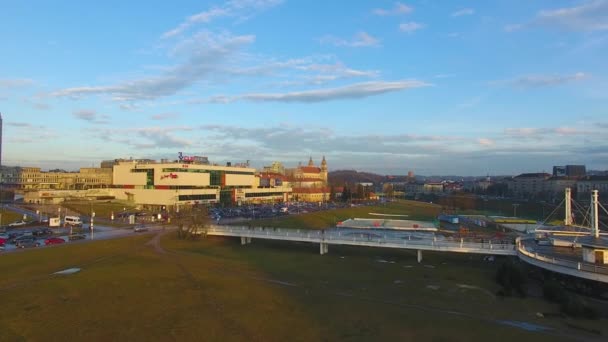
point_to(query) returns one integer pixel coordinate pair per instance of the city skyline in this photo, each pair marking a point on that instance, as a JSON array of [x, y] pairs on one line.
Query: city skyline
[[466, 88]]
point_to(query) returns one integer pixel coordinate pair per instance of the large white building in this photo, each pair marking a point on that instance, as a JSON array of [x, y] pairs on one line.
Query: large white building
[[175, 183]]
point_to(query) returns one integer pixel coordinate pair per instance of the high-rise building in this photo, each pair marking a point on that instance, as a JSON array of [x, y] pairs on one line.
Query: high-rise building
[[569, 171]]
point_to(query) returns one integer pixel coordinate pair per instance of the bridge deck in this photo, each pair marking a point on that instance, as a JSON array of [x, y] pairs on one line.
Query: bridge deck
[[336, 237]]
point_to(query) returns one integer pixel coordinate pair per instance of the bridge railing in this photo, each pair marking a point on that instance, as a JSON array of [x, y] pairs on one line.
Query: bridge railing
[[340, 238], [581, 266]]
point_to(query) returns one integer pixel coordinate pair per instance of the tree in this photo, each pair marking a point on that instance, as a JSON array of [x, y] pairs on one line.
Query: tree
[[192, 222], [388, 190], [332, 193], [360, 191], [345, 193]]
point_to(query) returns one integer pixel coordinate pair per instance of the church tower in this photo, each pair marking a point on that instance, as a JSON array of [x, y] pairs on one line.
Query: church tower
[[310, 162], [324, 170]]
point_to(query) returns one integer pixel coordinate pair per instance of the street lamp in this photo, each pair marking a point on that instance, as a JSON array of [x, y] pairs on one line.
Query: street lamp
[[92, 217], [515, 205]]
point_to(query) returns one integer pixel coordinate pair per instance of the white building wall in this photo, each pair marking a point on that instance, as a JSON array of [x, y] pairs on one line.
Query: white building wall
[[240, 180]]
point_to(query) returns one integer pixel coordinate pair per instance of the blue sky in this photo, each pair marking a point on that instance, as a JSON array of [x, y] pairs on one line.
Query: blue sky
[[458, 87]]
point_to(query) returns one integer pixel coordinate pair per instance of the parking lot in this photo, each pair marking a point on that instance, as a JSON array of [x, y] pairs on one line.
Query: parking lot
[[17, 238], [262, 211]]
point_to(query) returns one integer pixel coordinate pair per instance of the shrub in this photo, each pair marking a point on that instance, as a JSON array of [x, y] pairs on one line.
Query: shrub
[[512, 278], [554, 292]]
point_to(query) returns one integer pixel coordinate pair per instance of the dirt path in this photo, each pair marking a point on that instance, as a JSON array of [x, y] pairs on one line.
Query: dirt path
[[155, 242]]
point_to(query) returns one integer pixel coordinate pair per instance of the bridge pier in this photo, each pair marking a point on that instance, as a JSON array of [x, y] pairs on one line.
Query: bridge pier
[[323, 248], [419, 255], [245, 240]]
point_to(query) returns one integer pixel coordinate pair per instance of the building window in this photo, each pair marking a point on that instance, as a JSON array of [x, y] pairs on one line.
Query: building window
[[201, 197]]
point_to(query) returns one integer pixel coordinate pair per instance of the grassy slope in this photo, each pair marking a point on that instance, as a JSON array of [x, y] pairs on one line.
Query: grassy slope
[[326, 219], [10, 216], [101, 208], [215, 289]]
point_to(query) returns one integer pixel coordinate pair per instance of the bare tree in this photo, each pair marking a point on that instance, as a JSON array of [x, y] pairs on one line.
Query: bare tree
[[192, 223]]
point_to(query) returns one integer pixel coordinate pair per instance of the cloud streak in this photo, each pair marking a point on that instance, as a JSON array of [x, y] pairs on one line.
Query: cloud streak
[[588, 16], [241, 9], [91, 116], [411, 27], [9, 83], [216, 49], [361, 39], [463, 12], [539, 81], [353, 91], [398, 9]]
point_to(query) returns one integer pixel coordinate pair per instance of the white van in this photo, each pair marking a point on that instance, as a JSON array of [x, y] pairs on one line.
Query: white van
[[72, 221]]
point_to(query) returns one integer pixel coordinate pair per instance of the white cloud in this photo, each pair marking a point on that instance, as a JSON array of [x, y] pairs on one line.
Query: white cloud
[[485, 142], [398, 9], [164, 116], [241, 9], [464, 11], [7, 83], [85, 114], [91, 116], [410, 27], [204, 60], [353, 91], [536, 81], [361, 39], [586, 17]]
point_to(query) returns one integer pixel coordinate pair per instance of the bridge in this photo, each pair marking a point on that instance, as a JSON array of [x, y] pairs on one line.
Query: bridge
[[340, 237], [525, 248], [528, 252]]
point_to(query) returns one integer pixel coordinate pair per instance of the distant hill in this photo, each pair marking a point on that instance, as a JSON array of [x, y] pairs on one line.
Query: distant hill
[[339, 177]]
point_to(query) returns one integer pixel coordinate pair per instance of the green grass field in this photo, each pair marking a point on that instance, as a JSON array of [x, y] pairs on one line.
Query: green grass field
[[102, 209], [9, 217], [216, 290], [329, 218]]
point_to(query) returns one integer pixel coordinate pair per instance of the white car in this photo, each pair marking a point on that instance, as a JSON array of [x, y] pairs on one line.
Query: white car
[[17, 223], [140, 228]]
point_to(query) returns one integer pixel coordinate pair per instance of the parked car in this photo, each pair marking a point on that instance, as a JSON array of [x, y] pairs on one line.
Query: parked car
[[140, 228], [53, 241], [21, 238], [17, 223], [76, 237], [27, 244], [3, 241], [42, 232]]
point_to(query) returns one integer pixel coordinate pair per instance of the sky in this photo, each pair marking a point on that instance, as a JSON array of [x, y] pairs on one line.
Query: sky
[[457, 87]]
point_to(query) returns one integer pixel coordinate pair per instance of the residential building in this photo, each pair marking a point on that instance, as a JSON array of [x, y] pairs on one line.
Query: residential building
[[528, 184], [569, 171], [588, 183], [32, 178]]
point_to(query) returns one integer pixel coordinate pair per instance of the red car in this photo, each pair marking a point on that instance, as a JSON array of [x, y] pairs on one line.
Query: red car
[[53, 241], [2, 241]]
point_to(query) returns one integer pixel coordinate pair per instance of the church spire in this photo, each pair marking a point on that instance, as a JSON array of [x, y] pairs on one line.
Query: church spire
[[310, 162]]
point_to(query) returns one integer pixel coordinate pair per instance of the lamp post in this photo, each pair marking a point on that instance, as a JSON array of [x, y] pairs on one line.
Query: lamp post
[[515, 205], [92, 217]]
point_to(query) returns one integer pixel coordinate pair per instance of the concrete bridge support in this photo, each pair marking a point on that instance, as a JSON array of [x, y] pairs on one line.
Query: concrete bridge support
[[245, 240], [419, 255], [323, 248]]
